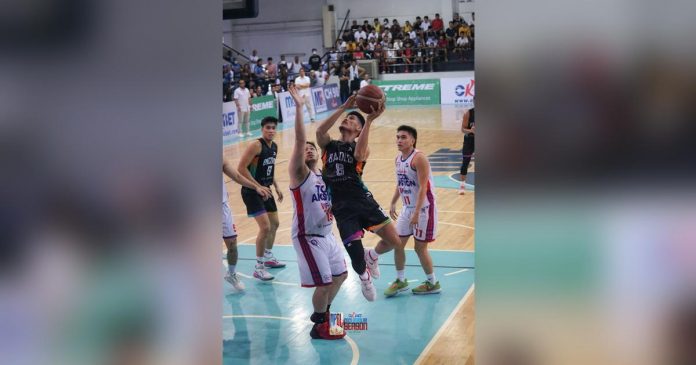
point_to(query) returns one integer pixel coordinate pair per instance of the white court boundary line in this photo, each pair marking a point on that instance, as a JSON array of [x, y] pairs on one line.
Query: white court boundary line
[[274, 281], [353, 346], [457, 224], [244, 241], [409, 249], [439, 333], [456, 272]]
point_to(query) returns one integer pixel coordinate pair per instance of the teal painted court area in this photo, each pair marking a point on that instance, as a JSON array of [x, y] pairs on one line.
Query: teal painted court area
[[269, 322]]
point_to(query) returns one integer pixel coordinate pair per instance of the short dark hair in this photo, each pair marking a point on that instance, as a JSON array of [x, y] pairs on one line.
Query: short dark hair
[[311, 144], [359, 116], [270, 58], [410, 130], [267, 120]]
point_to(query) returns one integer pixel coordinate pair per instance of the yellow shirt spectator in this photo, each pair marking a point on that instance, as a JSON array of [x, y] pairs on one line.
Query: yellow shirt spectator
[[464, 31]]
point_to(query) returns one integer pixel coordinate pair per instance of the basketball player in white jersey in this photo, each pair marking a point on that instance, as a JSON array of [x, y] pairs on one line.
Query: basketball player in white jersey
[[319, 256], [229, 231], [418, 216]]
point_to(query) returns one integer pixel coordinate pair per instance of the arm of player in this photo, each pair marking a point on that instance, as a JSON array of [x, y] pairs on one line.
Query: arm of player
[[392, 208], [252, 150], [280, 193], [323, 129], [422, 167], [361, 150], [296, 166], [465, 123], [241, 180]]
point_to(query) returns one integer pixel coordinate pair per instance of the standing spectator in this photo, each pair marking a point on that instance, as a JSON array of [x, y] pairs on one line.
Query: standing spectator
[[354, 26], [356, 73], [322, 76], [451, 31], [314, 60], [245, 74], [302, 83], [296, 66], [259, 70], [271, 69], [442, 48], [227, 93], [259, 91], [417, 23], [344, 83], [437, 23], [312, 78], [242, 98], [426, 24], [284, 78], [275, 92], [254, 56]]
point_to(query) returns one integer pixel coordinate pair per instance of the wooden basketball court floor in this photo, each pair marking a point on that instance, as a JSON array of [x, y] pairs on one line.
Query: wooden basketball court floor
[[268, 323]]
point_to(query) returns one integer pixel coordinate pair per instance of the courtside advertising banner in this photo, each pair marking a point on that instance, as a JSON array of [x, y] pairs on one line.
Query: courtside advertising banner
[[261, 107], [458, 90], [411, 92], [287, 107], [318, 99], [230, 127], [332, 95]]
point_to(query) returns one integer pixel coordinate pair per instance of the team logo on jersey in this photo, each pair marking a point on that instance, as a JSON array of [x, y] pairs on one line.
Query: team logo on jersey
[[314, 242]]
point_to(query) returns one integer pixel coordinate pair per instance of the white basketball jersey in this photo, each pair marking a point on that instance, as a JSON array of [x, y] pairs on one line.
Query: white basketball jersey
[[407, 180], [224, 191], [312, 203]]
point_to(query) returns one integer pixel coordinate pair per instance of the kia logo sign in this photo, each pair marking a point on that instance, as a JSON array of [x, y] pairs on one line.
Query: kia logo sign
[[462, 90]]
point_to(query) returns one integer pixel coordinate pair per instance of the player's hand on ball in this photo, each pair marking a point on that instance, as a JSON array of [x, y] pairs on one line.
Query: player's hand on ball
[[376, 112], [350, 103], [392, 212]]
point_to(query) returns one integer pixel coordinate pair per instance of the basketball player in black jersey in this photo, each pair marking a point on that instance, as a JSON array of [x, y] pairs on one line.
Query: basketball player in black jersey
[[258, 164], [468, 128], [353, 206]]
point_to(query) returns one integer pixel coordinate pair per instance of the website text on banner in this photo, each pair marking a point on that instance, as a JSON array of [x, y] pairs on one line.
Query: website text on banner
[[261, 107], [411, 92], [458, 90], [230, 127]]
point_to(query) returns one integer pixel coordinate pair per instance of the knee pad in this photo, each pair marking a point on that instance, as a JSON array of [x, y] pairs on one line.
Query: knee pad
[[357, 255]]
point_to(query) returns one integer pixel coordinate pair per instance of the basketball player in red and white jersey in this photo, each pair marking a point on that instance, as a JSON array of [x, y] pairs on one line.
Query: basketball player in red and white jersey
[[418, 216], [319, 256]]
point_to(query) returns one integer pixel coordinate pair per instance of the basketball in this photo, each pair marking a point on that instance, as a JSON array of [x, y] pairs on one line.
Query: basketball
[[369, 96]]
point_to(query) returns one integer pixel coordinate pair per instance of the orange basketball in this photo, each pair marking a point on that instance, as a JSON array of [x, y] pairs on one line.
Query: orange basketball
[[369, 96]]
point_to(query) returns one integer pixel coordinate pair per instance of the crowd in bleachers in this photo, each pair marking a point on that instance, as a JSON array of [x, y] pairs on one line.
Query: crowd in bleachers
[[407, 47]]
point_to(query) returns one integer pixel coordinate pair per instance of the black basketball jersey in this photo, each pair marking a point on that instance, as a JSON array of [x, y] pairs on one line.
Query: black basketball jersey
[[263, 164], [342, 173], [472, 118]]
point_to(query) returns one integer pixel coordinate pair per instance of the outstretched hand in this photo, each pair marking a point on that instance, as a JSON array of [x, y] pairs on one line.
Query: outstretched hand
[[299, 100], [350, 103], [376, 112]]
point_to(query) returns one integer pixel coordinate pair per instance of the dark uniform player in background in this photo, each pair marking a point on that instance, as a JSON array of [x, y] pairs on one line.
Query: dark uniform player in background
[[468, 128], [258, 164], [352, 203]]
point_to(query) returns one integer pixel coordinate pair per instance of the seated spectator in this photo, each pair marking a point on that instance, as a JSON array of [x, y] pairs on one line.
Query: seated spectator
[[407, 27], [343, 47], [360, 34], [385, 24], [365, 81], [426, 24], [464, 30], [461, 44], [451, 31], [366, 26], [371, 44], [386, 35], [431, 42], [417, 23], [354, 26], [371, 36], [236, 67], [437, 23], [390, 58], [408, 57], [321, 76], [395, 28], [378, 55], [442, 48], [245, 74], [377, 26], [398, 44], [412, 34], [347, 35], [352, 47], [227, 75], [271, 68]]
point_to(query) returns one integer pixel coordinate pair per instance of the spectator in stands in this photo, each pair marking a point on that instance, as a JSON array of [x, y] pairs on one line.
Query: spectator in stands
[[322, 76], [408, 57], [283, 78], [461, 45], [365, 81], [431, 42], [314, 60], [259, 91], [437, 23], [355, 73], [333, 55], [227, 93], [366, 25], [386, 35], [344, 83], [395, 28], [371, 44], [398, 44], [385, 23], [282, 63], [352, 46], [426, 24], [354, 26], [245, 73], [372, 35], [407, 27], [347, 35], [464, 30], [227, 75], [451, 31], [271, 69], [296, 66], [419, 41], [442, 48], [417, 24], [236, 67], [302, 83], [254, 56], [377, 26], [390, 58], [259, 70], [312, 78], [412, 34], [360, 34], [343, 46], [242, 98]]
